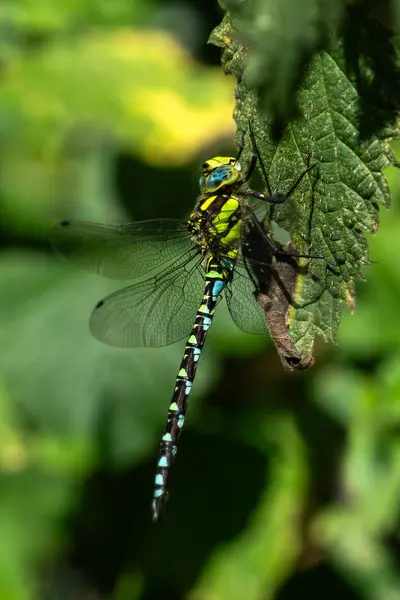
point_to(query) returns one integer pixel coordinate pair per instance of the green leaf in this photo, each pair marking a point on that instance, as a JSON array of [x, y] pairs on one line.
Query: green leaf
[[284, 37], [337, 202], [258, 560]]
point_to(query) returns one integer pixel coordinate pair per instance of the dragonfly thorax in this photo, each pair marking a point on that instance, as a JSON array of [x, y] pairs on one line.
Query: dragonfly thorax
[[216, 225]]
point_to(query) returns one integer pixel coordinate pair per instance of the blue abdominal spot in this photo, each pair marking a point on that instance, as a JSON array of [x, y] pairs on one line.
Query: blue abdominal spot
[[218, 287]]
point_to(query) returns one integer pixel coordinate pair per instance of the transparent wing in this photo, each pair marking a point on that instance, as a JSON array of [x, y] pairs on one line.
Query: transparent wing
[[122, 251], [155, 312], [253, 270], [240, 297]]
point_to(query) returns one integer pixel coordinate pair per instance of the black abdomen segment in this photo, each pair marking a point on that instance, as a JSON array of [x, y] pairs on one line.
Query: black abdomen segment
[[214, 285]]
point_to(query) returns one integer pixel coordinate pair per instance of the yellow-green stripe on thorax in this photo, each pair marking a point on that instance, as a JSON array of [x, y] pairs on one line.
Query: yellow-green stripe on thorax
[[216, 225]]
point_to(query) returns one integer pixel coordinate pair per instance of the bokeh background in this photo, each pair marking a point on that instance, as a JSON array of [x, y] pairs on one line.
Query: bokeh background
[[286, 485]]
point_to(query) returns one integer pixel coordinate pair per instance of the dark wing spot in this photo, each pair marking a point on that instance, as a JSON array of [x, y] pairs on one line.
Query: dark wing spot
[[65, 223], [99, 304]]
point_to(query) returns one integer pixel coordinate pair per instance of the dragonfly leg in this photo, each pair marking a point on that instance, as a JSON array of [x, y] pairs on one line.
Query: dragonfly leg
[[278, 252], [270, 197], [253, 161]]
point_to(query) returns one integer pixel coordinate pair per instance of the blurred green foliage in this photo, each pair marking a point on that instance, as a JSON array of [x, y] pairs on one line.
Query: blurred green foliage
[[287, 485]]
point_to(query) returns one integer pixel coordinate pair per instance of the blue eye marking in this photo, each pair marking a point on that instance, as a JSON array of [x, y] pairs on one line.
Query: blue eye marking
[[210, 183], [218, 177]]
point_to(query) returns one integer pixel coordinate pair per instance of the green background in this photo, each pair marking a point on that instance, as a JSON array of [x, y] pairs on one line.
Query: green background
[[286, 484]]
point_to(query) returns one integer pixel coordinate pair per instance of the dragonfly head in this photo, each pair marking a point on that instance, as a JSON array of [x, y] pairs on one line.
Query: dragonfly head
[[219, 172]]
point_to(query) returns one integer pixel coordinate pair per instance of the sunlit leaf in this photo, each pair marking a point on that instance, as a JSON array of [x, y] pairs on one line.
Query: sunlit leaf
[[336, 202], [140, 87]]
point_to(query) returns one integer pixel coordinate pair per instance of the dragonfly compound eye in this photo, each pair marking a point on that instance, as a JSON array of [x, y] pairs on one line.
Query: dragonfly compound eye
[[220, 177]]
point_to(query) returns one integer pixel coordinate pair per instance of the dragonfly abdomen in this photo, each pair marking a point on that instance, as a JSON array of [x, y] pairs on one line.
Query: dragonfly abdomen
[[215, 281]]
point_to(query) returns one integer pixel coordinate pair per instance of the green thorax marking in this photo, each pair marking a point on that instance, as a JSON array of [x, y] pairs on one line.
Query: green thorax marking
[[216, 221]]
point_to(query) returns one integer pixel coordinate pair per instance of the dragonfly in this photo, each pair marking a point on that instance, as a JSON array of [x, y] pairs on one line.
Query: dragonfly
[[182, 268]]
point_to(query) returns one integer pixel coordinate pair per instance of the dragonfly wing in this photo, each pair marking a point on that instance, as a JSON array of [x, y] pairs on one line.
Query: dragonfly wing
[[253, 272], [156, 312], [123, 251], [243, 306]]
